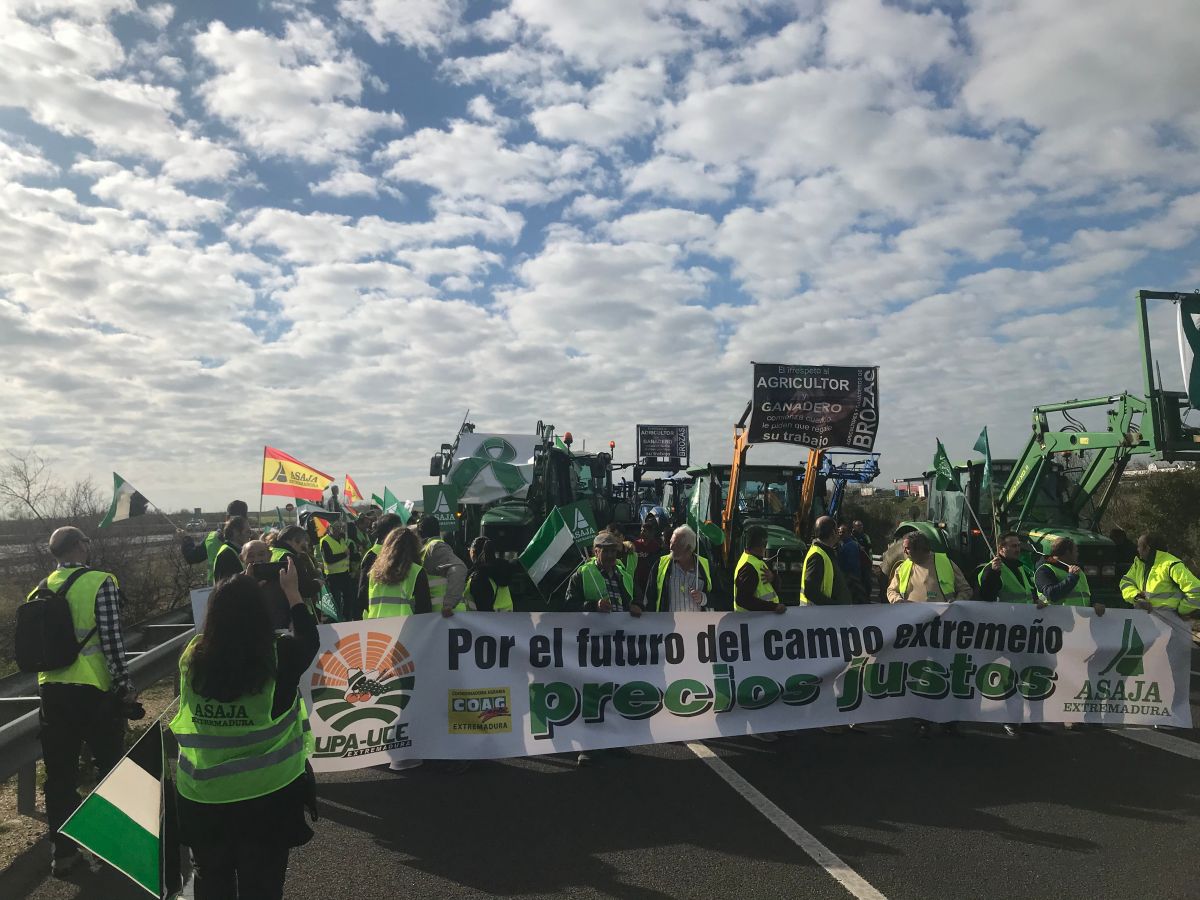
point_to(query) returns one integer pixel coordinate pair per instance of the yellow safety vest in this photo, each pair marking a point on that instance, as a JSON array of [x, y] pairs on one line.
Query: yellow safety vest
[[664, 568], [826, 578], [764, 591], [594, 588], [437, 583], [941, 564], [385, 600], [1166, 582], [342, 565], [212, 546], [503, 595], [236, 750], [1081, 596], [90, 666], [1014, 588], [225, 547]]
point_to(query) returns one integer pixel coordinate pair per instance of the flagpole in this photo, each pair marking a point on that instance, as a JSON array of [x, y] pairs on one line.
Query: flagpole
[[165, 516], [975, 518], [260, 491]]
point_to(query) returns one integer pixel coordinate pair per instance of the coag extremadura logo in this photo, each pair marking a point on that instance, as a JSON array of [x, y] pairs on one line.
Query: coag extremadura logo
[[360, 688]]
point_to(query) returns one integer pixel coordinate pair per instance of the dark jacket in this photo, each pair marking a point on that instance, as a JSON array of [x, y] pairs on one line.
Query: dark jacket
[[653, 600], [745, 587], [814, 575], [575, 602], [1049, 585], [482, 576], [990, 583], [228, 564], [310, 588]]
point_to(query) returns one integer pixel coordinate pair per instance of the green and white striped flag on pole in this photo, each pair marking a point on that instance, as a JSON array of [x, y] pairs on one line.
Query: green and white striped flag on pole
[[553, 541], [121, 821], [127, 502]]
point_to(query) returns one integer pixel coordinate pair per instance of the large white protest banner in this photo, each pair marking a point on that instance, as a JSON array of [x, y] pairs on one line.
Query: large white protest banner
[[491, 685]]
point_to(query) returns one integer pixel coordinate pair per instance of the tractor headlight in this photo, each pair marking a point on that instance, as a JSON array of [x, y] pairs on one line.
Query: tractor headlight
[[1109, 571]]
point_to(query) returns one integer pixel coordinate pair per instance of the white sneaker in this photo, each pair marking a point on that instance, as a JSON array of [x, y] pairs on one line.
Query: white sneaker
[[402, 765]]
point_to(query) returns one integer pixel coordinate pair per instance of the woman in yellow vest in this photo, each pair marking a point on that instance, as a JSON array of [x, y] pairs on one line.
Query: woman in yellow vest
[[244, 739], [488, 584], [398, 585]]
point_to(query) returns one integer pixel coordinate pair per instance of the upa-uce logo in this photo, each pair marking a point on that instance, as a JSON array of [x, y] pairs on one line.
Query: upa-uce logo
[[360, 688]]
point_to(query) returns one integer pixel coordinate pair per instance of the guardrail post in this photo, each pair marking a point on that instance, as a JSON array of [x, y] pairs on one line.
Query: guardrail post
[[27, 790]]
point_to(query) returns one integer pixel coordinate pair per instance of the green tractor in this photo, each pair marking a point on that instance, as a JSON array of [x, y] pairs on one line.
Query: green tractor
[[559, 478], [1067, 475]]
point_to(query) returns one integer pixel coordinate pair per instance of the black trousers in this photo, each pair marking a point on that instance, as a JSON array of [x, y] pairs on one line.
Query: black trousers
[[342, 588], [240, 870], [72, 715]]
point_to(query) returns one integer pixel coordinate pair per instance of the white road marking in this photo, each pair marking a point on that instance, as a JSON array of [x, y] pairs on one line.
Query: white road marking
[[822, 855], [1162, 741]]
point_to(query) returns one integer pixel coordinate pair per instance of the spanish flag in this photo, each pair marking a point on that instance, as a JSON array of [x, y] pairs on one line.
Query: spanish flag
[[351, 493], [286, 476]]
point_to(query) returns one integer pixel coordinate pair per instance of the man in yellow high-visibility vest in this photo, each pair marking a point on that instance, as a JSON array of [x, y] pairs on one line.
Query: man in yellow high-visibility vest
[[88, 700], [925, 576], [1159, 581], [335, 562]]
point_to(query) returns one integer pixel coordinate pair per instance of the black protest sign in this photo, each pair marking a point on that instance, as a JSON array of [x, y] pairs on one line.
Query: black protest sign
[[663, 442], [816, 406]]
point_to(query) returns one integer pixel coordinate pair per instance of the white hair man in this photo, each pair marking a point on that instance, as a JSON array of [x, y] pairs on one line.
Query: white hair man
[[682, 580]]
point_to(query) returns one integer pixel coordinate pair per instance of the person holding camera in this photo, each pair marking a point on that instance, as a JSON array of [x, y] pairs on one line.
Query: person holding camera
[[243, 781], [89, 700], [291, 544]]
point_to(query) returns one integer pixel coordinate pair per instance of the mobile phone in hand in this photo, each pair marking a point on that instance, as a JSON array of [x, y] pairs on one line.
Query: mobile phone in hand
[[268, 571]]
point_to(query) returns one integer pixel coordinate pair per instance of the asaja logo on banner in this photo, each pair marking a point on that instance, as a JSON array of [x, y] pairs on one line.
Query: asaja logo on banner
[[360, 688], [1117, 695], [1128, 661], [280, 474], [479, 711], [442, 508]]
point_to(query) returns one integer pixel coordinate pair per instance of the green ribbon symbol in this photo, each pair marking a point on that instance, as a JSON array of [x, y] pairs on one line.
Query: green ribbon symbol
[[495, 454]]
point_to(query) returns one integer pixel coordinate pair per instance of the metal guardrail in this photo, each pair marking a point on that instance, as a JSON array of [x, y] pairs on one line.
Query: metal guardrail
[[19, 746]]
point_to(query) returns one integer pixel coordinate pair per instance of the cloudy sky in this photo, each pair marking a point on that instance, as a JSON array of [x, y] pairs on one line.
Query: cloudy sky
[[334, 226]]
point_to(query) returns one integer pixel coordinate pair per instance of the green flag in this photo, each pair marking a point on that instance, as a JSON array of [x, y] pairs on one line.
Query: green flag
[[985, 448], [698, 511], [946, 480], [390, 503], [377, 500], [582, 522]]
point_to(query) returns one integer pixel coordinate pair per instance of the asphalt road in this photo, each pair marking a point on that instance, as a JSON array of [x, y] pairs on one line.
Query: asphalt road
[[1071, 814]]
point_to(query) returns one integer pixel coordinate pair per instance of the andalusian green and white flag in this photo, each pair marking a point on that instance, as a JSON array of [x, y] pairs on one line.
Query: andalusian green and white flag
[[121, 821], [127, 502], [553, 541]]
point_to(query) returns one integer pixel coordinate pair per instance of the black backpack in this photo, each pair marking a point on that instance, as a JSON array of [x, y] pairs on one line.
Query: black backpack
[[45, 636]]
